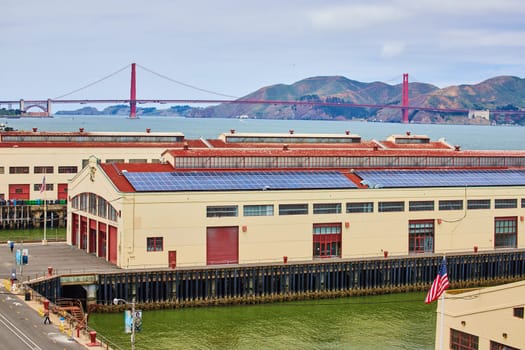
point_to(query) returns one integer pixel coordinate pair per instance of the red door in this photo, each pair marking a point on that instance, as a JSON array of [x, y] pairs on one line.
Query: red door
[[113, 244], [62, 191], [172, 259], [102, 240], [83, 232], [18, 192], [92, 236], [74, 230], [222, 245]]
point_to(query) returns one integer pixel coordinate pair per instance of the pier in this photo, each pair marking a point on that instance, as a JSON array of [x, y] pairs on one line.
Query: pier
[[239, 284]]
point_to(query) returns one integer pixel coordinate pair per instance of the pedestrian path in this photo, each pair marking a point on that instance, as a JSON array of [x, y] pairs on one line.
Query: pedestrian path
[[43, 261]]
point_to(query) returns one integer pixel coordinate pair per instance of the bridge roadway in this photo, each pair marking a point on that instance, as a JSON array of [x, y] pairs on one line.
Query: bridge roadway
[[21, 325]]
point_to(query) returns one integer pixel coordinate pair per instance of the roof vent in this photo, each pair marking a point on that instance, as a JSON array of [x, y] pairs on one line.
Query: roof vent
[[408, 133], [185, 145], [347, 132], [285, 147], [232, 131], [148, 130], [35, 129], [376, 148], [457, 148], [81, 129], [291, 131]]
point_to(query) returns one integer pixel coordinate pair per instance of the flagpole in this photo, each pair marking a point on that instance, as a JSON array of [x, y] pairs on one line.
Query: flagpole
[[43, 191], [442, 315], [45, 220]]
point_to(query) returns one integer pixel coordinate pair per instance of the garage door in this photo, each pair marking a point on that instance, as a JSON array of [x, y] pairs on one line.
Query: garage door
[[222, 245]]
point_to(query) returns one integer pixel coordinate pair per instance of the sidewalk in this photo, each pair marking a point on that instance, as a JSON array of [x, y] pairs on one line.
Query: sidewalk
[[82, 337]]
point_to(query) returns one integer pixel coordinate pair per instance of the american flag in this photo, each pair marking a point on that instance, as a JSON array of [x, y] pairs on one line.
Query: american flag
[[43, 185], [440, 283]]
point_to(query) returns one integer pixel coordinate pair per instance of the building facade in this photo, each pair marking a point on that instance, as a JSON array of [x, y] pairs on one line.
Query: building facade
[[263, 202], [485, 319]]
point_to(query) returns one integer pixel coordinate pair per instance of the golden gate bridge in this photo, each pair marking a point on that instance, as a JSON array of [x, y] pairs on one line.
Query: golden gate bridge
[[46, 105]]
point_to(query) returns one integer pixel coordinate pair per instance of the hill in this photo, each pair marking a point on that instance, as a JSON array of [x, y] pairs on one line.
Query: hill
[[499, 93], [503, 93]]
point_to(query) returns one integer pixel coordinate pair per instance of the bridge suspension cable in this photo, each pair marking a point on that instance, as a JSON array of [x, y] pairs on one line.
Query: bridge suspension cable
[[186, 85], [93, 83]]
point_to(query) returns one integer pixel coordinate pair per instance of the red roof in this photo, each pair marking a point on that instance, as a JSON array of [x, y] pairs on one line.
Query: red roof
[[114, 172]]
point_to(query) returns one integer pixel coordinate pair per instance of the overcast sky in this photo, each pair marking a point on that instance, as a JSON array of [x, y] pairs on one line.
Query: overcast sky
[[233, 47]]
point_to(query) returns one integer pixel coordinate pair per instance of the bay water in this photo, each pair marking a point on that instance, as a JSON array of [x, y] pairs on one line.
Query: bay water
[[400, 321], [466, 136], [397, 322]]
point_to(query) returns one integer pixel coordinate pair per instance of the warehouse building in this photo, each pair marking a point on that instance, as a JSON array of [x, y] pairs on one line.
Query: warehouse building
[[258, 198]]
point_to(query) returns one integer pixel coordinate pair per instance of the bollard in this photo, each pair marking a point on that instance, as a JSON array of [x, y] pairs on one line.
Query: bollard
[[93, 339]]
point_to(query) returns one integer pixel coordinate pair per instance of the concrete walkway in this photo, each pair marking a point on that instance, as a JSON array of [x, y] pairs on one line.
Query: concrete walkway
[[62, 259]]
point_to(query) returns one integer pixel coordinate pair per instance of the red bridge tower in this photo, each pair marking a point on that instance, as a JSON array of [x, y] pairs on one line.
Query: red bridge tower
[[133, 94], [404, 98]]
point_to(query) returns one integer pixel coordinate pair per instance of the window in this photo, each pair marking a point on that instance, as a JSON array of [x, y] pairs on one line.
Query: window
[[220, 211], [421, 236], [451, 205], [421, 206], [18, 170], [505, 232], [327, 208], [155, 244], [474, 204], [463, 341], [505, 203], [391, 206], [67, 170], [258, 210], [138, 160], [497, 346], [49, 187], [92, 209], [112, 213], [43, 170], [360, 207], [293, 209], [102, 207], [522, 202], [327, 240], [518, 312], [114, 161], [2, 170]]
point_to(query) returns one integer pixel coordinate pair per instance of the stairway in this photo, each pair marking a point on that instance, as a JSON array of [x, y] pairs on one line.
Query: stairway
[[72, 308]]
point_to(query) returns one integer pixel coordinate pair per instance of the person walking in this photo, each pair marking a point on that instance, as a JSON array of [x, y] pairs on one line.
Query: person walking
[[11, 245], [46, 317]]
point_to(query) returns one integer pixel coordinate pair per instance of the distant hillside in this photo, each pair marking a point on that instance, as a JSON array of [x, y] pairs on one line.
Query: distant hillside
[[499, 93]]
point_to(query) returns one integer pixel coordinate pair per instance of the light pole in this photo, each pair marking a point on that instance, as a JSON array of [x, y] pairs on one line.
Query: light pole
[[116, 301]]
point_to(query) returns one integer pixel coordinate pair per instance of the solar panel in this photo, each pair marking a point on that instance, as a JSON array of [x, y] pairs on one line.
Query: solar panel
[[441, 178], [224, 181]]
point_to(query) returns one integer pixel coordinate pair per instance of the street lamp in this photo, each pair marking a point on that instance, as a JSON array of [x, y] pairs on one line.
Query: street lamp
[[116, 301]]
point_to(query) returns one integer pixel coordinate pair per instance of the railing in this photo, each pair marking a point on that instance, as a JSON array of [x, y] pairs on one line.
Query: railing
[[279, 282]]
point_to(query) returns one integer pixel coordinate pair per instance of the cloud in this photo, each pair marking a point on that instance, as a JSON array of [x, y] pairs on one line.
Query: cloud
[[482, 38], [392, 49], [354, 16]]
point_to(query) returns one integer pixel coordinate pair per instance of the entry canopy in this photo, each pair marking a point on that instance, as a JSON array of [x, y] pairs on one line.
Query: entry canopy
[[236, 180]]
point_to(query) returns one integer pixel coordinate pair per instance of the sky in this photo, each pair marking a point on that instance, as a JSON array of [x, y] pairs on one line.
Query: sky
[[215, 49]]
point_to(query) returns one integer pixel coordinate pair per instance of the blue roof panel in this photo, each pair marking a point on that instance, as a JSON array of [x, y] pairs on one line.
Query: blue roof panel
[[441, 178], [237, 180]]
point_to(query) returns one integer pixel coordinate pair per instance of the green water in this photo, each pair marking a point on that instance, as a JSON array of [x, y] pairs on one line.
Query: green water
[[401, 321]]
